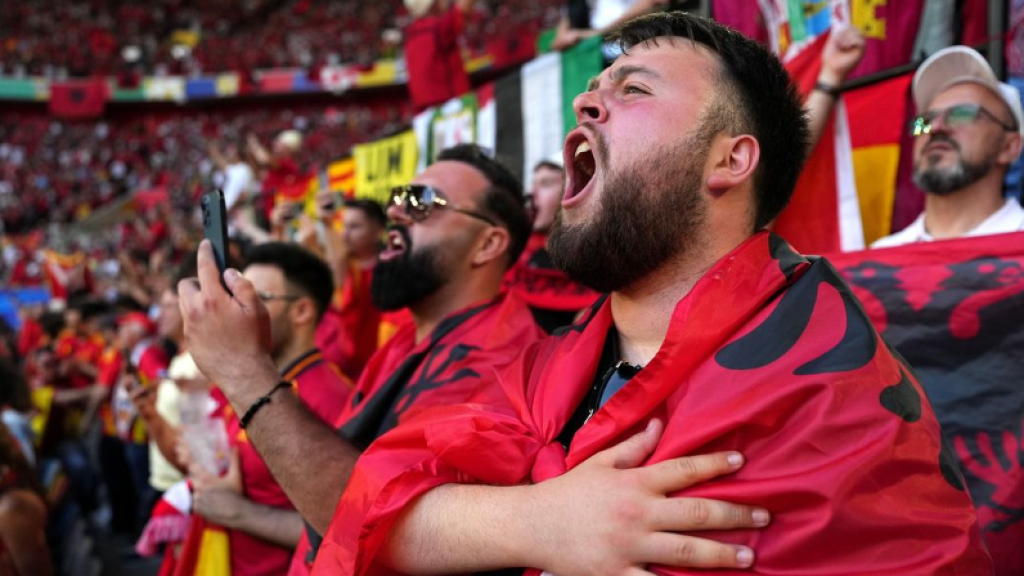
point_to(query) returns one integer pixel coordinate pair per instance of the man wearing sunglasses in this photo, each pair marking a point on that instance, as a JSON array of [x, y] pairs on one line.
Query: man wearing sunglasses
[[454, 233], [968, 134]]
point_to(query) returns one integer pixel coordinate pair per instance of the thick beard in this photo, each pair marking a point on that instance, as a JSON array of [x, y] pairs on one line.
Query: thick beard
[[945, 181], [406, 280], [649, 213]]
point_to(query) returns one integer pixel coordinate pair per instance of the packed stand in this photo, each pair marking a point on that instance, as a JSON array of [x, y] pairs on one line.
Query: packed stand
[[131, 39], [58, 172]]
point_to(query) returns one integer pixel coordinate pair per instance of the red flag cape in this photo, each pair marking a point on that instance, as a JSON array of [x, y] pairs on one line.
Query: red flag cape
[[537, 281], [406, 377], [769, 354], [454, 364], [954, 309]]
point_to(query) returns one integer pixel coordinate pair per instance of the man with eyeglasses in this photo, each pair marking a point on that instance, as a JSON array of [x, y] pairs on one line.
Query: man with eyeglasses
[[295, 287], [967, 136]]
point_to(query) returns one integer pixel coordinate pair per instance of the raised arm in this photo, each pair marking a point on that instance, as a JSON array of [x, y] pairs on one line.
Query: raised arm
[[843, 50], [229, 338]]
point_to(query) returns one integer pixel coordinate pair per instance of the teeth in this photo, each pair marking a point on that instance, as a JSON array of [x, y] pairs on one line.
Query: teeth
[[583, 147]]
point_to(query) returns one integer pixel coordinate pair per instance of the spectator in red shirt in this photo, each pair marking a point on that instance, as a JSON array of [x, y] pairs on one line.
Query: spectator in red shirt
[[146, 366], [432, 52], [263, 525], [347, 335], [281, 168]]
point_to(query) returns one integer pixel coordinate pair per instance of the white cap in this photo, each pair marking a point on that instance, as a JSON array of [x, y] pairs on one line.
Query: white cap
[[956, 65], [418, 8], [291, 139]]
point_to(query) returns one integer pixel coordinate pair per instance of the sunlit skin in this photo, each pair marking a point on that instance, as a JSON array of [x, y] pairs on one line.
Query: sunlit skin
[[546, 191], [976, 141], [361, 235], [982, 142], [649, 99], [284, 313]]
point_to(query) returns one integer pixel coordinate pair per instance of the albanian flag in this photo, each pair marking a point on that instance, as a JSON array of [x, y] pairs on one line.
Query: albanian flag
[[955, 310], [769, 354]]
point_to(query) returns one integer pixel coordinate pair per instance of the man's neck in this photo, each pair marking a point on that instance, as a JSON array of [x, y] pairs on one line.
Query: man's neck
[[295, 349], [642, 313], [956, 214], [452, 297]]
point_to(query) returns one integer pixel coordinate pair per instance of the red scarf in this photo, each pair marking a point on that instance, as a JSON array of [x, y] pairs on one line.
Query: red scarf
[[537, 281], [769, 354]]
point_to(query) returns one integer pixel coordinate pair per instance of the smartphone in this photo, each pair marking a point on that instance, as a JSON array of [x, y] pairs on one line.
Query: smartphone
[[215, 229]]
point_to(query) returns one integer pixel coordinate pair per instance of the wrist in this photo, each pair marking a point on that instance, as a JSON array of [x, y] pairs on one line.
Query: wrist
[[244, 391], [831, 77]]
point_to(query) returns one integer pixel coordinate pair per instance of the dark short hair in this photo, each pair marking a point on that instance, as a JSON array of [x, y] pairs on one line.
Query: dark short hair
[[373, 210], [764, 101], [503, 200], [301, 268], [549, 164]]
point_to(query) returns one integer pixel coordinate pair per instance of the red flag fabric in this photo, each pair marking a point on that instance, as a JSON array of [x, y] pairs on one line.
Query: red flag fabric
[[536, 280], [811, 220], [452, 365], [769, 354], [78, 99], [347, 334], [954, 309], [324, 391]]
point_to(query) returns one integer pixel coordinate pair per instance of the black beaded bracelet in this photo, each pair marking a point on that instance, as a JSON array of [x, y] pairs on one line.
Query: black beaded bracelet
[[260, 403], [829, 89]]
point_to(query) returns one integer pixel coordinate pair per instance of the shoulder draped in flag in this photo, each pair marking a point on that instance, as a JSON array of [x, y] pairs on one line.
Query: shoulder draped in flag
[[769, 354]]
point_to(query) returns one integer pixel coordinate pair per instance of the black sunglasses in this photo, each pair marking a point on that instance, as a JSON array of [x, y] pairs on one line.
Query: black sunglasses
[[954, 117], [419, 201]]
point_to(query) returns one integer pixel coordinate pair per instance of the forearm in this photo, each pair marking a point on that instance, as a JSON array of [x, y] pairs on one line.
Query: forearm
[[166, 437], [277, 525], [462, 529], [306, 456], [336, 255], [820, 104]]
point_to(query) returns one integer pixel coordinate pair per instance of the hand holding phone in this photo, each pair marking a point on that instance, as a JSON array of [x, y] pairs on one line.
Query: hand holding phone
[[215, 229]]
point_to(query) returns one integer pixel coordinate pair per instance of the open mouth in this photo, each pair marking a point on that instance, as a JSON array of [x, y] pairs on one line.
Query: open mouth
[[581, 165], [395, 244]]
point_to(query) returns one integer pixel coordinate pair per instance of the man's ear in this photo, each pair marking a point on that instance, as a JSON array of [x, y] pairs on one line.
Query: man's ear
[[492, 245], [732, 161], [304, 311], [1011, 149]]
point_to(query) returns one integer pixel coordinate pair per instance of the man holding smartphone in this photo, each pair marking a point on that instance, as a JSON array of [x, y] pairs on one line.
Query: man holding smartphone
[[263, 527]]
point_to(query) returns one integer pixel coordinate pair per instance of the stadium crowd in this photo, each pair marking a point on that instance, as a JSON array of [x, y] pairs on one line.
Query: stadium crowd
[[329, 405], [59, 39]]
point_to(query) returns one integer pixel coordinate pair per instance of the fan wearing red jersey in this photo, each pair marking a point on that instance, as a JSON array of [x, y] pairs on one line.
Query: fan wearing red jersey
[[347, 335], [263, 526], [716, 338]]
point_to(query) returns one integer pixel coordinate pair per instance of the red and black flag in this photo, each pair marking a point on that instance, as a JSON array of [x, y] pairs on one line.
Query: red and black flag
[[955, 310], [78, 99], [769, 354]]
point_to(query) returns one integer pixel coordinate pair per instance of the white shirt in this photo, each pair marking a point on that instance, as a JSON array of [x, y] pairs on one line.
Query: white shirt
[[1009, 218], [238, 182], [604, 12]]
